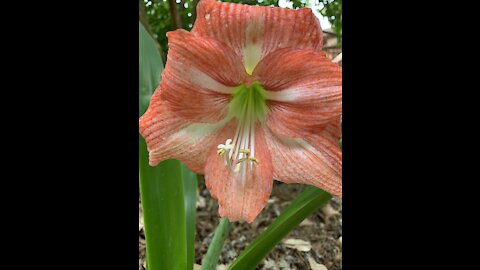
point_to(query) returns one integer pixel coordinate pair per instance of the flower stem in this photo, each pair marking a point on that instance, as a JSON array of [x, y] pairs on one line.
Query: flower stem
[[210, 260]]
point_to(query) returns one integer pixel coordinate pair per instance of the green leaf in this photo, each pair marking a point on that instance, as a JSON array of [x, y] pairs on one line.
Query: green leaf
[[150, 68], [162, 194], [303, 206], [167, 190], [190, 187]]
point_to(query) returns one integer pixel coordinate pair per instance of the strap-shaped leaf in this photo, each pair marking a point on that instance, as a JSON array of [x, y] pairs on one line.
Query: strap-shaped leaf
[[303, 206], [190, 184], [167, 190], [150, 67]]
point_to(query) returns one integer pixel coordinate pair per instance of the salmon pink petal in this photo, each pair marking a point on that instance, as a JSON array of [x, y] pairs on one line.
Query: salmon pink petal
[[255, 31], [171, 137], [315, 160], [241, 195], [199, 77], [304, 91]]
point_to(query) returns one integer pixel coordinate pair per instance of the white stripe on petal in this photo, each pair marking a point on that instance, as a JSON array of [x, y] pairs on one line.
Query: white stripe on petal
[[284, 95], [309, 92], [198, 130], [204, 81], [252, 52]]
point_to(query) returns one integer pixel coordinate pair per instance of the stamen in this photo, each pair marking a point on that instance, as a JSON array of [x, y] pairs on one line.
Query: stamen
[[225, 147], [254, 160], [242, 154], [248, 107], [245, 151]]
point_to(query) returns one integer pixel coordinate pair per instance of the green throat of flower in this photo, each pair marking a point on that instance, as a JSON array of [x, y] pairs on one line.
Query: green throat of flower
[[248, 103], [248, 106]]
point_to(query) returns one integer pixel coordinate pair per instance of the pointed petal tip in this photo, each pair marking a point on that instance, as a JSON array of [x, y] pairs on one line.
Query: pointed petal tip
[[176, 33], [244, 218], [153, 163], [248, 216], [337, 193]]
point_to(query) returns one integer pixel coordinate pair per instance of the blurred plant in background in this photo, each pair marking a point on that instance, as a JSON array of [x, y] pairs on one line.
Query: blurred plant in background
[[158, 18], [332, 9]]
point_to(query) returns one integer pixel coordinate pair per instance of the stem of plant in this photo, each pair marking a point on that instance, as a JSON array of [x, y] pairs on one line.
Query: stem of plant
[[210, 260]]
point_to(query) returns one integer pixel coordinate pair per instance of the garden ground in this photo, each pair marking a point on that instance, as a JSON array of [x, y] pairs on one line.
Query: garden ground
[[315, 244]]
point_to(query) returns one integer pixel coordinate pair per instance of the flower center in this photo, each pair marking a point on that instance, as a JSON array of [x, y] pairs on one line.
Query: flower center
[[248, 106]]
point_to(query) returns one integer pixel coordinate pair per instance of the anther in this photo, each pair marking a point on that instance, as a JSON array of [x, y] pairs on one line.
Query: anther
[[254, 160], [245, 151]]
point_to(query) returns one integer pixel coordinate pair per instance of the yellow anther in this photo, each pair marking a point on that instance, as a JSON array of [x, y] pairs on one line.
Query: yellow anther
[[245, 151], [231, 161], [254, 160]]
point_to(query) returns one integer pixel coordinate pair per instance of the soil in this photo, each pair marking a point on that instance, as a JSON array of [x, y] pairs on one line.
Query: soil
[[315, 244]]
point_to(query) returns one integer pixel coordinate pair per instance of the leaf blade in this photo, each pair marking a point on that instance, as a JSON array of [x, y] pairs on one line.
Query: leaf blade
[[303, 206], [161, 187], [163, 213], [190, 184], [150, 67]]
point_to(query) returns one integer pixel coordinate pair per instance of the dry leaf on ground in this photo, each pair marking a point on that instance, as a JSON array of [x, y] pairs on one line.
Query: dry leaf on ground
[[307, 222], [316, 266], [298, 244]]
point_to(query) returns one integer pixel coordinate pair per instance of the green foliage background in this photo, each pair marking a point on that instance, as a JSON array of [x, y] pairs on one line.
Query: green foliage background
[[157, 14], [332, 9]]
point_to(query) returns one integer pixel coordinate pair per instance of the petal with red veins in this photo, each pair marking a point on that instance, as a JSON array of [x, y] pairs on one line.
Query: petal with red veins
[[304, 91], [241, 195], [255, 31], [171, 137], [199, 77], [315, 160]]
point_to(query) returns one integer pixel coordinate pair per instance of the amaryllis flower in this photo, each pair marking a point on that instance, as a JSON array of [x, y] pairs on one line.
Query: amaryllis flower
[[247, 97]]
